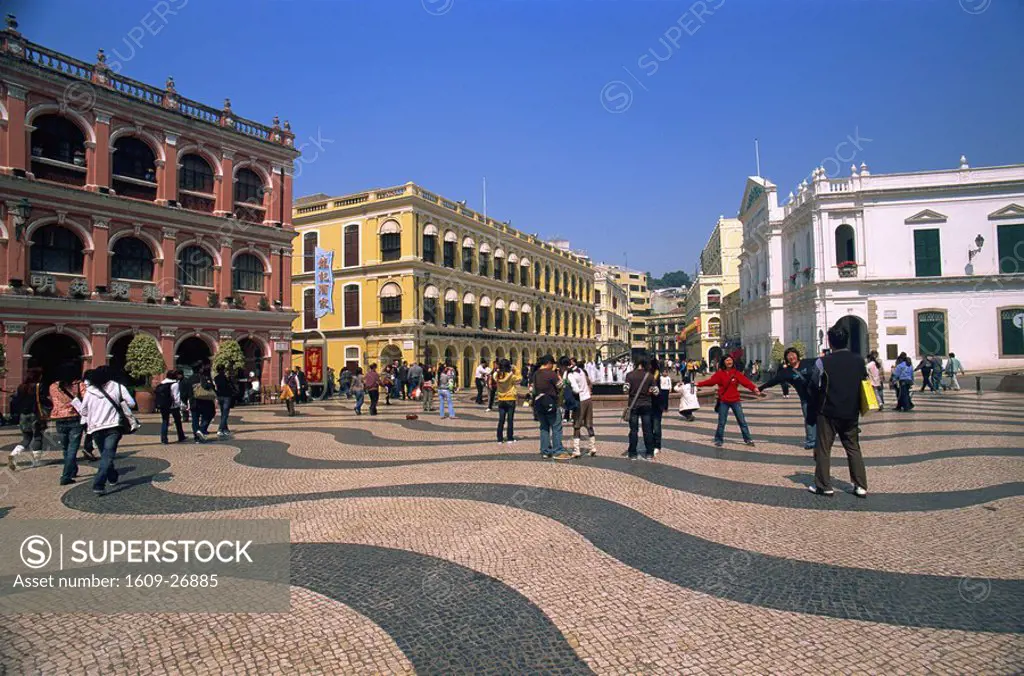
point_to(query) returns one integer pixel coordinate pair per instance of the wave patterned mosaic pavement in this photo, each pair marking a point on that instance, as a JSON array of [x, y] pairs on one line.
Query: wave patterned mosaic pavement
[[424, 546]]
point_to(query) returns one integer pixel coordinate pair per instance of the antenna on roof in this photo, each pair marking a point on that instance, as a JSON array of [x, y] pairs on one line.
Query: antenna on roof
[[485, 197]]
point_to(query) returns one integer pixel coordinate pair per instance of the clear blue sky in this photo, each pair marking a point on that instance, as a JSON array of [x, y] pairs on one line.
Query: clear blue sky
[[444, 92]]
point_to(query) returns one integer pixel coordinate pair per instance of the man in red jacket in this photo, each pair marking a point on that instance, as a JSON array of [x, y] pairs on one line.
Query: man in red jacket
[[728, 380]]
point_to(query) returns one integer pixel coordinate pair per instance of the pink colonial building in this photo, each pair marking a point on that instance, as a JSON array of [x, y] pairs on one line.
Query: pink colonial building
[[126, 208]]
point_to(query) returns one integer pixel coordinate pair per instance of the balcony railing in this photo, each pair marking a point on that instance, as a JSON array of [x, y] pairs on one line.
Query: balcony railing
[[46, 169], [67, 66]]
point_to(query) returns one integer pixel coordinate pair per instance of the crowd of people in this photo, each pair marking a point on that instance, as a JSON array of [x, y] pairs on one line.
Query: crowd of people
[[89, 412]]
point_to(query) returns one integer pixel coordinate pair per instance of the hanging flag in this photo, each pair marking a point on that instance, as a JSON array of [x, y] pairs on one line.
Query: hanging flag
[[693, 326], [324, 279]]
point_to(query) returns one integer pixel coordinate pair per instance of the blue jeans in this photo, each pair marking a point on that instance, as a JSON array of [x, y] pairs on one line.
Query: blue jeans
[[640, 419], [445, 397], [360, 395], [723, 416], [811, 430], [551, 432], [69, 435], [225, 408], [106, 441]]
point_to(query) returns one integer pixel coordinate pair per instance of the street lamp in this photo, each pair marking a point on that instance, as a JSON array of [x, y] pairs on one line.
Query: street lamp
[[979, 242], [21, 210]]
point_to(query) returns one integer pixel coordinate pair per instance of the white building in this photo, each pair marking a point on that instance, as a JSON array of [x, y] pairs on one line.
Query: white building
[[924, 262]]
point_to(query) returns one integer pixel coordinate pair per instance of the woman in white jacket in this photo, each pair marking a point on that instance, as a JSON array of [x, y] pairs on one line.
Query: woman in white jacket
[[102, 418], [688, 396]]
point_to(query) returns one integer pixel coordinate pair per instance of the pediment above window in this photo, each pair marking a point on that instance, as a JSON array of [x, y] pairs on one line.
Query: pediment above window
[[1009, 211], [926, 216]]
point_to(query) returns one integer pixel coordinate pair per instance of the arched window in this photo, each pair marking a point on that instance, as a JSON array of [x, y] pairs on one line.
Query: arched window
[[485, 312], [451, 302], [846, 250], [499, 265], [565, 282], [468, 301], [132, 259], [195, 175], [484, 258], [390, 241], [714, 298], [430, 296], [391, 303], [468, 248], [572, 291], [524, 272], [430, 243], [134, 169], [309, 242], [249, 189], [547, 321], [351, 245], [513, 263], [133, 158], [499, 315], [58, 139], [449, 249], [56, 249], [351, 303], [195, 267], [524, 318], [513, 316], [714, 328], [247, 273], [547, 278]]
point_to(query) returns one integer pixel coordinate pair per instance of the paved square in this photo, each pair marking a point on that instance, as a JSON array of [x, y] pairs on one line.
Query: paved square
[[424, 546]]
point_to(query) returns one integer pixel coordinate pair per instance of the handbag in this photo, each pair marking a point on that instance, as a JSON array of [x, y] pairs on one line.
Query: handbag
[[626, 411], [128, 424], [868, 398]]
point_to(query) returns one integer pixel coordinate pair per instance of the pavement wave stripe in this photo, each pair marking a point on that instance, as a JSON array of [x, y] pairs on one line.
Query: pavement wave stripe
[[645, 544], [276, 455], [445, 618]]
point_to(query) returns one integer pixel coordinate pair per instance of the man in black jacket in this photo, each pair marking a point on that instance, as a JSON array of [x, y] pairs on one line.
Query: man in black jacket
[[834, 396], [225, 397]]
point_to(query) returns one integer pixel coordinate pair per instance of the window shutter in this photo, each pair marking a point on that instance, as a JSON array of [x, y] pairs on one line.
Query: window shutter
[[351, 306]]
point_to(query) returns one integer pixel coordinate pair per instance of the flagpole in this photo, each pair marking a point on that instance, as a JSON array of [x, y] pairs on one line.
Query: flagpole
[[757, 156], [485, 197]]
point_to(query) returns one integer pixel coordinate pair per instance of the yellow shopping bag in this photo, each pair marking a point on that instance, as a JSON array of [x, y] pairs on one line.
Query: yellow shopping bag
[[868, 398]]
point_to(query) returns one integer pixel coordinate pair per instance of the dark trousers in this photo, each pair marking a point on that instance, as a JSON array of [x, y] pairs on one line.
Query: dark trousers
[[926, 381], [903, 402], [69, 435], [165, 420], [202, 414], [849, 434], [106, 441], [640, 416], [506, 414], [374, 397], [656, 414], [490, 400], [479, 390]]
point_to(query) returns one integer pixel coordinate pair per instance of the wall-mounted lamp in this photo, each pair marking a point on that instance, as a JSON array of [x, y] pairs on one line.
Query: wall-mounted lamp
[[979, 242], [21, 210]]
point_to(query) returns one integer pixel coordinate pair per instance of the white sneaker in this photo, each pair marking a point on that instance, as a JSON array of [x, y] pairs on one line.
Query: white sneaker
[[860, 492], [37, 456], [576, 453], [655, 453]]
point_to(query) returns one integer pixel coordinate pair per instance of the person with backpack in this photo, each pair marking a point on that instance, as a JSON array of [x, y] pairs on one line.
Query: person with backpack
[[203, 408], [445, 389], [66, 395], [505, 379], [570, 402], [547, 386], [225, 398], [103, 413], [834, 395], [583, 416], [31, 404], [167, 396], [728, 379]]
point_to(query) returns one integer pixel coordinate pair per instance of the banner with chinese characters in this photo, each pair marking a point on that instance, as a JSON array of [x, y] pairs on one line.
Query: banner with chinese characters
[[315, 363], [324, 276]]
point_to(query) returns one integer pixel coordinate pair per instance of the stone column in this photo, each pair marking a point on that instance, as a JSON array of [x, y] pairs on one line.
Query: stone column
[[168, 279], [167, 181], [286, 275], [274, 281], [98, 339], [14, 342], [15, 151], [286, 195], [167, 335], [98, 157], [226, 193], [16, 249], [224, 285], [100, 257], [273, 213]]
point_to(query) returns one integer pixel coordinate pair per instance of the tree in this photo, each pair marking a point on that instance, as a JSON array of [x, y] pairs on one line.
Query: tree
[[798, 345], [229, 353], [669, 280], [777, 352], [143, 359]]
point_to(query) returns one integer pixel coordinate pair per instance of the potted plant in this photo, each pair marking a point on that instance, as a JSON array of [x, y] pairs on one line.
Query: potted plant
[[143, 361], [184, 296], [79, 158], [238, 300], [230, 355], [807, 274], [213, 299], [847, 269], [264, 305], [150, 175]]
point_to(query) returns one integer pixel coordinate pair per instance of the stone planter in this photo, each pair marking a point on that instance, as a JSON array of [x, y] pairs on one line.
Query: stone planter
[[848, 271]]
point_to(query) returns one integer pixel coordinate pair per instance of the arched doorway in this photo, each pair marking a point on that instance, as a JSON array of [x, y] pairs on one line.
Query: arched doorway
[[253, 351], [429, 355], [451, 357], [117, 355], [714, 354], [468, 367], [499, 353], [390, 354], [51, 352], [191, 353], [485, 355], [858, 331]]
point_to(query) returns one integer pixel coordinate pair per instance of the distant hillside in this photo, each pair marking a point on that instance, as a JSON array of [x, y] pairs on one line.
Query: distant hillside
[[668, 280]]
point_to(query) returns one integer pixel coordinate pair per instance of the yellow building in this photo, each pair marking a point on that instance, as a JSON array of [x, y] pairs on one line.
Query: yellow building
[[417, 277], [634, 283], [663, 336], [611, 304], [718, 276]]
